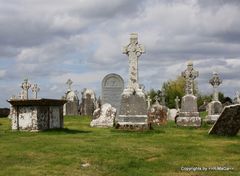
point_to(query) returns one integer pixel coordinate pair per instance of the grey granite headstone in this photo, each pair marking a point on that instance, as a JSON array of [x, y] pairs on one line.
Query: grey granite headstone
[[189, 115], [228, 122], [112, 88]]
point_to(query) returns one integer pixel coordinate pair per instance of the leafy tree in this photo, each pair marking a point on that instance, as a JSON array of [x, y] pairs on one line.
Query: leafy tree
[[174, 88]]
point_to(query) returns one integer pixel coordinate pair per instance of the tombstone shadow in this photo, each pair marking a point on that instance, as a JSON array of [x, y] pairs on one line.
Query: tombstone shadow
[[66, 131]]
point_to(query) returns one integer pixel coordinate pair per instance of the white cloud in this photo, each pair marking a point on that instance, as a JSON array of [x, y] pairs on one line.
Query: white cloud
[[2, 73], [51, 41]]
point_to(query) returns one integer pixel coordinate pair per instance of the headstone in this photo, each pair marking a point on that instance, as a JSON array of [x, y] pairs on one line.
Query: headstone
[[133, 107], [157, 114], [106, 116], [72, 105], [25, 86], [228, 122], [214, 108], [189, 115], [89, 102], [112, 88], [172, 114], [35, 90]]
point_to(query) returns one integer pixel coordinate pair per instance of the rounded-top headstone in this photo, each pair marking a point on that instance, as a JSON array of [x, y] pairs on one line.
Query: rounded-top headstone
[[112, 88]]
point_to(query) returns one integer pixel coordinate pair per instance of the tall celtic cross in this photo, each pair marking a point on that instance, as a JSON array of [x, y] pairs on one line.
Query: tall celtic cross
[[133, 50], [189, 74], [215, 81], [25, 86], [35, 90], [69, 83]]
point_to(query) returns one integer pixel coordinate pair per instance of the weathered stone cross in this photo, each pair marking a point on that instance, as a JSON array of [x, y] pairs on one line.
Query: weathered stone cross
[[148, 102], [134, 51], [35, 90], [189, 74], [215, 81], [177, 100], [25, 86], [69, 83]]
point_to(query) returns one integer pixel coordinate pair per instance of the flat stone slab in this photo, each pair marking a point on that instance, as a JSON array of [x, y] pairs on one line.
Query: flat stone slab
[[228, 122]]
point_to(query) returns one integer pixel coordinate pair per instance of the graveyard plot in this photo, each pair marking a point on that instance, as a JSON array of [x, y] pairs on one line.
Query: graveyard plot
[[79, 149]]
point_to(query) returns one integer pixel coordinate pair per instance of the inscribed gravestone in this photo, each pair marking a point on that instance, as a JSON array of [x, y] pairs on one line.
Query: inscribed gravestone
[[228, 122], [112, 88]]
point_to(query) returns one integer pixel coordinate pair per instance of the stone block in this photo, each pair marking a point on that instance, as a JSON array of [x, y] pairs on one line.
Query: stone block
[[214, 108], [133, 112], [228, 122], [189, 115]]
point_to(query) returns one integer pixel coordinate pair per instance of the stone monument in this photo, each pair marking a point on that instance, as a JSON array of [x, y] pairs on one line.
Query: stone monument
[[72, 105], [25, 86], [35, 90], [89, 102], [148, 102], [106, 116], [157, 114], [214, 108], [35, 114], [189, 115], [228, 122], [112, 88], [133, 108], [177, 100]]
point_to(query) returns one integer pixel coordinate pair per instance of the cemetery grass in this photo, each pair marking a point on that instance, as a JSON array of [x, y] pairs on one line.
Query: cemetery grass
[[80, 150]]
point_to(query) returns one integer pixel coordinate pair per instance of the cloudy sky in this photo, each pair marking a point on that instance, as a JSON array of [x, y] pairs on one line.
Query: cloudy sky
[[51, 41]]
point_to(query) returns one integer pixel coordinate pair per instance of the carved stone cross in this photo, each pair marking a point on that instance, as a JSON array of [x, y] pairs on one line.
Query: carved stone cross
[[69, 83], [25, 86], [177, 100], [215, 81], [189, 74], [35, 90], [148, 102], [133, 50]]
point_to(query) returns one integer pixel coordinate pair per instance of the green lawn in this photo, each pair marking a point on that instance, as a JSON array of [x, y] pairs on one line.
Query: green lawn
[[163, 151]]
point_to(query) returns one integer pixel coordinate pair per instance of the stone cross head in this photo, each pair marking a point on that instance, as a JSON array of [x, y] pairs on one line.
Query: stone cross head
[[69, 83]]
